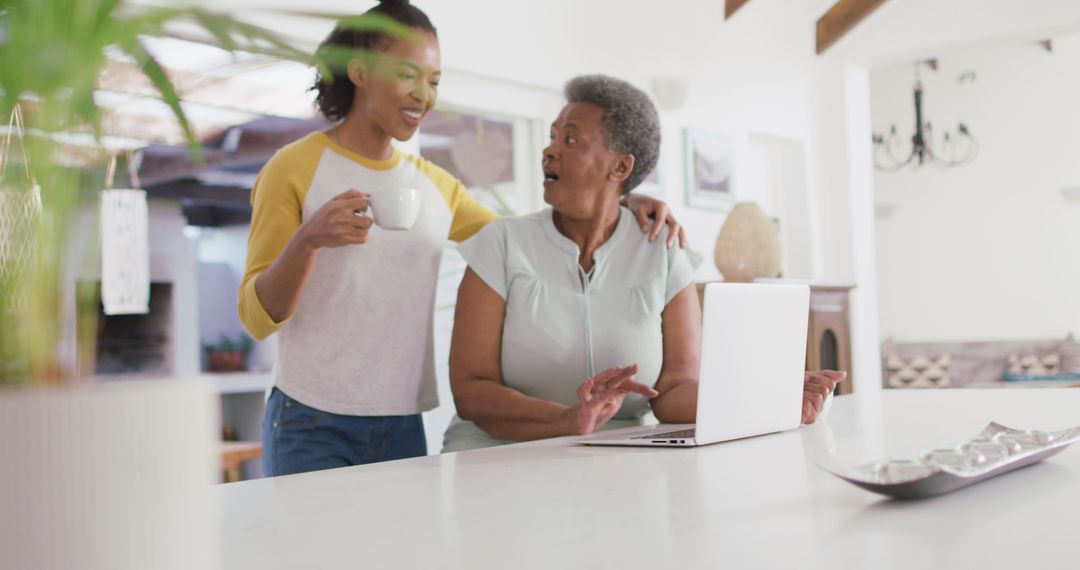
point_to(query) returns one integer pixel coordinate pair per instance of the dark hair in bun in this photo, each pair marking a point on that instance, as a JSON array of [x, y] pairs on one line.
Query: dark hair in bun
[[334, 91]]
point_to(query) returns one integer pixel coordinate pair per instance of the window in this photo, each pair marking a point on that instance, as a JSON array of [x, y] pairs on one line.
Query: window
[[492, 155]]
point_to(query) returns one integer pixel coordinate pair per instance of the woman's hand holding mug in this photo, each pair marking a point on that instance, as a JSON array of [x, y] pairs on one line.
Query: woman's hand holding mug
[[340, 221]]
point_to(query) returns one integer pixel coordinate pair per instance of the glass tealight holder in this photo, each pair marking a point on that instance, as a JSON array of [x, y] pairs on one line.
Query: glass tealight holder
[[1042, 438], [984, 452], [954, 459], [1020, 442], [900, 470]]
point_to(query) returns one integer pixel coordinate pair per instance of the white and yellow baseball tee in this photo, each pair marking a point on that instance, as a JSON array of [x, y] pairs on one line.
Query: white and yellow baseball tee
[[361, 340]]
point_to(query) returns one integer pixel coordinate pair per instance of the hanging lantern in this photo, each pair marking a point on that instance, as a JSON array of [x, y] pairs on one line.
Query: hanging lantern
[[125, 249], [20, 208]]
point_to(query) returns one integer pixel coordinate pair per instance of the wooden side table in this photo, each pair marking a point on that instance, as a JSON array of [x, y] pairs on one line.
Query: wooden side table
[[828, 339], [234, 453]]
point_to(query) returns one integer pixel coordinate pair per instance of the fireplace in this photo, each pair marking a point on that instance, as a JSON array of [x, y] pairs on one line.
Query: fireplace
[[135, 345]]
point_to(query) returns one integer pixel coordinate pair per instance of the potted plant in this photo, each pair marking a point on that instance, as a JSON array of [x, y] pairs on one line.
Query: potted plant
[[228, 355], [115, 475]]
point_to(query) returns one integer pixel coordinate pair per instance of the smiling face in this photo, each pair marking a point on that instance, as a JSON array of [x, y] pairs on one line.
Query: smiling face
[[397, 87], [579, 168]]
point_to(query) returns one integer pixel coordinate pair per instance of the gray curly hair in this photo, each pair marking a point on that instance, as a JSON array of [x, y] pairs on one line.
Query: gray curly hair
[[631, 124]]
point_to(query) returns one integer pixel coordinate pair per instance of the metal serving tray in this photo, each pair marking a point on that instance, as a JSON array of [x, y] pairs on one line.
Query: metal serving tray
[[996, 450]]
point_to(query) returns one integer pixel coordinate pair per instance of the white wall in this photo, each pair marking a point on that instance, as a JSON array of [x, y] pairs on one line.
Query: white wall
[[901, 30], [907, 30], [987, 250], [757, 91], [221, 254], [172, 258]]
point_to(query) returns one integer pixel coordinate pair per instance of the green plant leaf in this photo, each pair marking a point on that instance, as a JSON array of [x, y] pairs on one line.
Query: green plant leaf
[[218, 27], [156, 73], [265, 42]]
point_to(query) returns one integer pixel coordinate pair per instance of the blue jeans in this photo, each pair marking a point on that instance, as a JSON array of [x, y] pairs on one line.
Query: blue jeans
[[299, 438]]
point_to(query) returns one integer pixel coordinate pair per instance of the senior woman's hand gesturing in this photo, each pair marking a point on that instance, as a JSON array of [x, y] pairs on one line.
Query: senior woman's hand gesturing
[[817, 387], [601, 396]]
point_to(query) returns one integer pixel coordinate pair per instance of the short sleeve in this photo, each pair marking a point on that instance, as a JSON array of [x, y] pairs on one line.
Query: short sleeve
[[485, 253], [682, 263], [469, 214]]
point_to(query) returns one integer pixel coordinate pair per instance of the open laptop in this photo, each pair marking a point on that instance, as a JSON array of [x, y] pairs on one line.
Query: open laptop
[[753, 353]]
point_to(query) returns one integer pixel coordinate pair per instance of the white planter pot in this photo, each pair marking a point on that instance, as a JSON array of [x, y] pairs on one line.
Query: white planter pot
[[109, 476]]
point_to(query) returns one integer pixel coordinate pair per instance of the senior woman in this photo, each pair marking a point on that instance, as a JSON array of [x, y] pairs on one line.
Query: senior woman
[[568, 321]]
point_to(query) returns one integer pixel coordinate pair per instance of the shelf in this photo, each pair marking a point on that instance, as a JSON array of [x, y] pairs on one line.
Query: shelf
[[238, 382], [224, 382]]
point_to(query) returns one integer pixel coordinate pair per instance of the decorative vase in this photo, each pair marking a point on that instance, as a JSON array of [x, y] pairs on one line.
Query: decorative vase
[[748, 246], [113, 476]]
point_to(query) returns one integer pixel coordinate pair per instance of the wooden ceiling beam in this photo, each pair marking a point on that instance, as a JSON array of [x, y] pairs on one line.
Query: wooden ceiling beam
[[841, 18], [732, 6]]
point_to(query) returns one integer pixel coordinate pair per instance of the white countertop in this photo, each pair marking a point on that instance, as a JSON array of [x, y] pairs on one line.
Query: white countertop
[[756, 503]]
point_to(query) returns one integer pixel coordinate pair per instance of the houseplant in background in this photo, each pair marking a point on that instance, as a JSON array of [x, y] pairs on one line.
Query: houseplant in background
[[228, 354], [93, 476]]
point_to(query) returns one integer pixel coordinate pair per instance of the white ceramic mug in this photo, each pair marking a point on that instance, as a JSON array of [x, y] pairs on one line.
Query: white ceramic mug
[[395, 208]]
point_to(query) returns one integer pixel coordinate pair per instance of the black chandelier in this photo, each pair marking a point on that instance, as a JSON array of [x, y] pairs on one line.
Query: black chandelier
[[954, 149]]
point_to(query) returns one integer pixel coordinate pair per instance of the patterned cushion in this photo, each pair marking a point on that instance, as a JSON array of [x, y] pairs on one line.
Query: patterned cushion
[[917, 372], [1034, 365], [1070, 355]]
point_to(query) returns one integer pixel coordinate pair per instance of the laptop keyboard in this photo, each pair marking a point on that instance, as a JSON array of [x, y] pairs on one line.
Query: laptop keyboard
[[681, 433]]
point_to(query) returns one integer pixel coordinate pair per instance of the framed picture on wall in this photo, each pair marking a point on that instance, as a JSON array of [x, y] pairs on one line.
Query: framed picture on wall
[[710, 170]]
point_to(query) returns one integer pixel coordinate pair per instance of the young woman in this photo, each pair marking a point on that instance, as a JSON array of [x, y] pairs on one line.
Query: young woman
[[353, 304]]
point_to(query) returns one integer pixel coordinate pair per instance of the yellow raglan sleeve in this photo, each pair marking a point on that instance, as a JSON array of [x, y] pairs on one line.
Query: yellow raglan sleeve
[[469, 214], [277, 203]]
